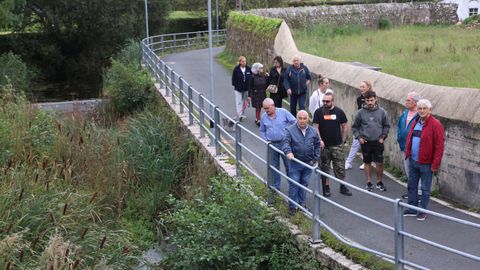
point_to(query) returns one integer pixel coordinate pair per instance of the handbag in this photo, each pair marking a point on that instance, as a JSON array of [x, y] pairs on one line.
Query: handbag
[[272, 88]]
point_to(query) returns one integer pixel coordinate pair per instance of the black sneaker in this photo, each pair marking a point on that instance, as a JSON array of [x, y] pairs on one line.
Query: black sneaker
[[292, 212], [405, 196], [381, 186], [326, 191], [345, 191], [409, 213], [369, 186]]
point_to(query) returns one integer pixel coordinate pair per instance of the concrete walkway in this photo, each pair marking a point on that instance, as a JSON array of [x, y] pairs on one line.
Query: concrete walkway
[[193, 66]]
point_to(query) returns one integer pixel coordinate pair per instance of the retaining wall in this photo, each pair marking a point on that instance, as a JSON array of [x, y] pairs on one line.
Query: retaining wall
[[456, 108], [367, 15]]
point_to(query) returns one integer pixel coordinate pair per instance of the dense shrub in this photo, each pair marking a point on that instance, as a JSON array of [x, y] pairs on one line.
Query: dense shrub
[[13, 71], [384, 23], [127, 85], [214, 232]]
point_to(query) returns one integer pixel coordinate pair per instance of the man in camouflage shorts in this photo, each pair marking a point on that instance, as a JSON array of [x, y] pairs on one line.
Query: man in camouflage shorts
[[331, 123]]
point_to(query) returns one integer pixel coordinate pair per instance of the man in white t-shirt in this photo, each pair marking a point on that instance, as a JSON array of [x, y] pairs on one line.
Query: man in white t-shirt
[[315, 101]]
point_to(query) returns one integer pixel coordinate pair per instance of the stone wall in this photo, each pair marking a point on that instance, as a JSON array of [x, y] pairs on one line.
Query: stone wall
[[367, 15], [242, 42], [456, 108]]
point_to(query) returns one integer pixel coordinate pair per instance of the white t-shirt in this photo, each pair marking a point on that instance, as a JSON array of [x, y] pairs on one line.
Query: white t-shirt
[[315, 100]]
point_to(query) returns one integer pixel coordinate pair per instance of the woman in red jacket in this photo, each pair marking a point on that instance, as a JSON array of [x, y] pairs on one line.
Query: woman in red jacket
[[424, 150]]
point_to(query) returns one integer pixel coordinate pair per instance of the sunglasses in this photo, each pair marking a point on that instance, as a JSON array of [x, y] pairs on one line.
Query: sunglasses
[[326, 101]]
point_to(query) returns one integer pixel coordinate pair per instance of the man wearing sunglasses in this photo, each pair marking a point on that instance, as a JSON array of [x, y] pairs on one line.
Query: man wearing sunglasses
[[331, 124]]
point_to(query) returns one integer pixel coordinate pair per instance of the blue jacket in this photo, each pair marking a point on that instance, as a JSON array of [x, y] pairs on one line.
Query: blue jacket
[[296, 79], [238, 82], [305, 148], [402, 129]]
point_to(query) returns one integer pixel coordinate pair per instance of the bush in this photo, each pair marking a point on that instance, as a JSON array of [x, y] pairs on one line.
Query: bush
[[127, 85], [384, 23], [13, 71], [475, 19], [213, 232]]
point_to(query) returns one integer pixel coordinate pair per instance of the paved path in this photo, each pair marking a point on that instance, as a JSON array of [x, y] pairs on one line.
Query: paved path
[[193, 66]]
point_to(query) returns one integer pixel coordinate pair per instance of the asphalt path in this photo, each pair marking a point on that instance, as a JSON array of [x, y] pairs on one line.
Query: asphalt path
[[193, 66]]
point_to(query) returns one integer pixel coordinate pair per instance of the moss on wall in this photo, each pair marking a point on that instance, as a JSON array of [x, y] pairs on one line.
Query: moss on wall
[[252, 36]]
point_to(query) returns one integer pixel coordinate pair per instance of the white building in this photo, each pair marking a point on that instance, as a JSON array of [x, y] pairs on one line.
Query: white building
[[465, 8]]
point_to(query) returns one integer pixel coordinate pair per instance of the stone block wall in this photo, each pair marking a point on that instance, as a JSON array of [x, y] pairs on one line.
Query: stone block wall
[[367, 15], [255, 49]]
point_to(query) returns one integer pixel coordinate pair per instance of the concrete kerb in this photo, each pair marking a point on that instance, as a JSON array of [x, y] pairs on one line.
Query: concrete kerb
[[321, 252]]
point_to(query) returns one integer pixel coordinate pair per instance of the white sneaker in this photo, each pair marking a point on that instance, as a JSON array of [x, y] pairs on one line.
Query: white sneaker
[[347, 165], [362, 166]]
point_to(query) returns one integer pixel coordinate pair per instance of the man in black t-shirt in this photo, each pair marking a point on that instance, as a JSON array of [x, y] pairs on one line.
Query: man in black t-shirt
[[331, 123]]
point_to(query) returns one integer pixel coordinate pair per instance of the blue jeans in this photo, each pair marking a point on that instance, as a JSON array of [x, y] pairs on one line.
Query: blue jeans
[[293, 103], [417, 171], [276, 163], [301, 175]]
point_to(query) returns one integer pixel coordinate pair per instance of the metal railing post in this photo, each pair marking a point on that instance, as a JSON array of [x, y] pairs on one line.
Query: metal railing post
[[174, 43], [162, 42], [180, 92], [270, 173], [399, 239], [202, 115], [316, 235], [190, 105], [172, 76], [238, 148], [161, 77], [217, 130], [188, 40], [167, 92]]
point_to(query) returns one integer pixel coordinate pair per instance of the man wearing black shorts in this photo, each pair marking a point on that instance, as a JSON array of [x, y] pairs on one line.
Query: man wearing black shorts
[[371, 128]]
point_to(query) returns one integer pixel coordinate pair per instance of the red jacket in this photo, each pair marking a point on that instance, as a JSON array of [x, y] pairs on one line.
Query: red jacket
[[431, 142]]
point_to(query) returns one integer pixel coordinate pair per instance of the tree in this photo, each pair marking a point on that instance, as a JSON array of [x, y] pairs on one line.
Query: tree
[[78, 37], [9, 12]]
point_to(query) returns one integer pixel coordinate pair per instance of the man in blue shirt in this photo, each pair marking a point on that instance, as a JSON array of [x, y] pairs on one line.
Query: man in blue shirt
[[301, 142], [272, 129]]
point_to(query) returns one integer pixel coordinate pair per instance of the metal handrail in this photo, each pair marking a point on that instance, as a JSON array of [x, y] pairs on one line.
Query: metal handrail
[[175, 86]]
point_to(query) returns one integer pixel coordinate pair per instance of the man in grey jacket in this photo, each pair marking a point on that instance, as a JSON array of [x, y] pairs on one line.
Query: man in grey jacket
[[301, 142], [371, 128]]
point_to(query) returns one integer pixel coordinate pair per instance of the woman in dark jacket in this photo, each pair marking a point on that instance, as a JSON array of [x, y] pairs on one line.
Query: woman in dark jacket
[[241, 76], [277, 74], [258, 86]]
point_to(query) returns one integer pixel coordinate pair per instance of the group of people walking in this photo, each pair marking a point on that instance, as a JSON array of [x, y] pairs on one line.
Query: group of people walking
[[420, 135]]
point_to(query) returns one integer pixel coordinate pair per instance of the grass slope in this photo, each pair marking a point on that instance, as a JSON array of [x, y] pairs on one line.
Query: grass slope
[[439, 55]]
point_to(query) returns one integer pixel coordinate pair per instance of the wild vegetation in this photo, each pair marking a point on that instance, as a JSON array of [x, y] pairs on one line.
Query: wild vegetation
[[81, 193], [435, 54]]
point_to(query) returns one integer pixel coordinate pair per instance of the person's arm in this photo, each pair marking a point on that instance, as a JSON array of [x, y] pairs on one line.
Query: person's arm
[[316, 126], [233, 76], [290, 118], [307, 76], [312, 104], [263, 130], [316, 147], [344, 127], [287, 149], [356, 127], [385, 127], [399, 128], [438, 146], [286, 81]]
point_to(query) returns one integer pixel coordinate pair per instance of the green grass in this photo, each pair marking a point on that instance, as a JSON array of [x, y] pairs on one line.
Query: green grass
[[439, 55], [180, 14]]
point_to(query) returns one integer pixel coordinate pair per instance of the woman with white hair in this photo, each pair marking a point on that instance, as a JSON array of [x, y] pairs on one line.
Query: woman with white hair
[[257, 89]]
